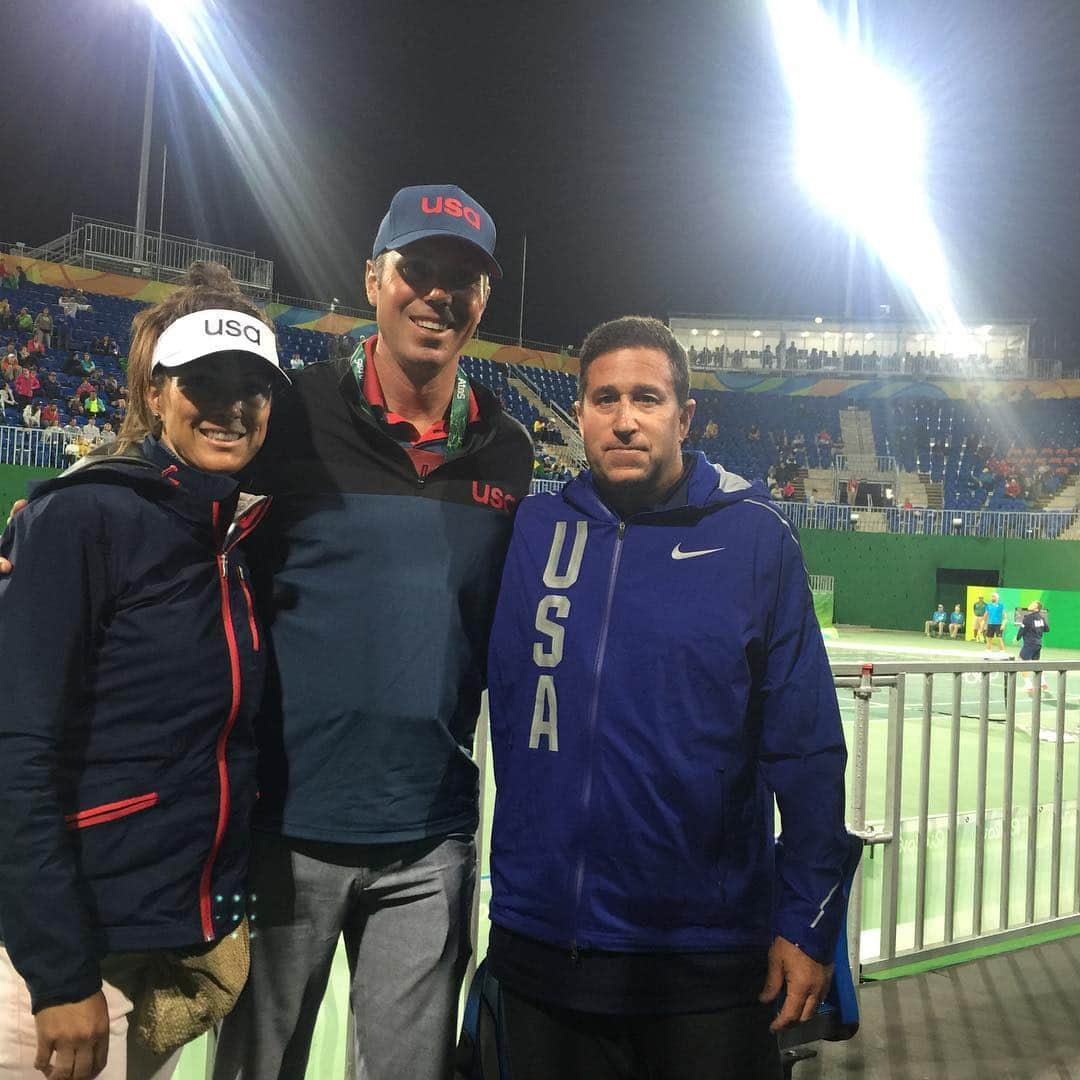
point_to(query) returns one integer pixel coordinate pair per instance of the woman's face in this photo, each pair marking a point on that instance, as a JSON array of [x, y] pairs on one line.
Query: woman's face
[[214, 411]]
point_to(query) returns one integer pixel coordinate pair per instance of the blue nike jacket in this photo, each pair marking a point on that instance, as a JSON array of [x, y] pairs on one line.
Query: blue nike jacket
[[654, 682]]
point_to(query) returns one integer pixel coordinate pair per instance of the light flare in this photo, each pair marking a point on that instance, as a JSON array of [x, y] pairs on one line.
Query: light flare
[[860, 150]]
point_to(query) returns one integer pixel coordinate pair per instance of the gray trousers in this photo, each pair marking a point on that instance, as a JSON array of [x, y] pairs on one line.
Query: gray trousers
[[404, 910]]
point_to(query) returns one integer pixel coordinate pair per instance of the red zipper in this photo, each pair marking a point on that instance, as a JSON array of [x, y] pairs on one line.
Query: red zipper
[[98, 815], [250, 609], [222, 741]]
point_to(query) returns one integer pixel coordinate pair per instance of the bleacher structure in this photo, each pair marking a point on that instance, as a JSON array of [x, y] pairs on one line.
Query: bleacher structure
[[866, 456]]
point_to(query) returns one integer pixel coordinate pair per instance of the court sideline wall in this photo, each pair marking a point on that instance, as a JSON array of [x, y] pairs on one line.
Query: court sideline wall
[[890, 581]]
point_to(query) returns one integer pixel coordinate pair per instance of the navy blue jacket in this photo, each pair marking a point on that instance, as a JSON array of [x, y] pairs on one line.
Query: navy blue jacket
[[133, 667], [653, 683], [378, 587]]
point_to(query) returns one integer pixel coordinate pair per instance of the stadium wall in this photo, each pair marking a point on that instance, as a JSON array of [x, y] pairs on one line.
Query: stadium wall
[[890, 581]]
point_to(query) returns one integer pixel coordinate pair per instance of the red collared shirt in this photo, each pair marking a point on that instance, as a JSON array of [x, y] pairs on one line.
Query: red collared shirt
[[427, 450]]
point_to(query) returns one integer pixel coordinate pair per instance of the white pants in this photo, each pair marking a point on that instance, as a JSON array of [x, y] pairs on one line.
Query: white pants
[[128, 1058]]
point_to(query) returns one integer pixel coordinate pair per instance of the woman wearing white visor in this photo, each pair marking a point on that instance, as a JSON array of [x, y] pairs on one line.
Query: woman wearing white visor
[[127, 759]]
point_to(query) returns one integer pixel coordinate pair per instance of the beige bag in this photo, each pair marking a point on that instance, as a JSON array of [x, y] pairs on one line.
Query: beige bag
[[186, 993]]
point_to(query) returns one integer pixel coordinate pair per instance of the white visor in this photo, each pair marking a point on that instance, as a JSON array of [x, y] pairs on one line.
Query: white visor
[[216, 330]]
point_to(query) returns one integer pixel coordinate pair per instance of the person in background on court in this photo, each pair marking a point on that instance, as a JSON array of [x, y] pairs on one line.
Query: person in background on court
[[995, 621], [644, 919], [978, 627], [127, 781], [937, 622], [956, 621], [1030, 634]]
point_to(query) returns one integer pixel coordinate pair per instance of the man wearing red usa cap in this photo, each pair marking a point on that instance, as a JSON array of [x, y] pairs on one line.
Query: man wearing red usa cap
[[378, 580]]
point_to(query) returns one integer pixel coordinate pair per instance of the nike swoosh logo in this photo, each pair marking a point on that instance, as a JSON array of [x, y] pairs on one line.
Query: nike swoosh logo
[[678, 553]]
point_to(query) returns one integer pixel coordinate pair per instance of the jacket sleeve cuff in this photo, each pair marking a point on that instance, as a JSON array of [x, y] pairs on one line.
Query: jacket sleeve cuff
[[72, 992], [818, 942]]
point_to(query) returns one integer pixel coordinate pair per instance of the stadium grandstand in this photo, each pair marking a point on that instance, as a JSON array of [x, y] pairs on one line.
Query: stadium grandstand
[[916, 479]]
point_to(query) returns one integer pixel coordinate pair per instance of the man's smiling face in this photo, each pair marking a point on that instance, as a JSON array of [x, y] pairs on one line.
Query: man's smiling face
[[428, 299]]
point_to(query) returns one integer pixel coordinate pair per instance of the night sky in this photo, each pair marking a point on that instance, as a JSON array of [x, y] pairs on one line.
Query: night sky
[[645, 148]]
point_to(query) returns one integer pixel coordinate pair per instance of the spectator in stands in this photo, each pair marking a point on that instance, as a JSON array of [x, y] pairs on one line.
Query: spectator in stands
[[107, 434], [94, 406], [50, 414], [87, 367], [75, 406], [71, 428], [91, 432], [35, 346], [43, 324], [104, 346], [9, 366], [7, 398], [85, 388], [672, 981], [937, 622], [7, 317], [54, 433], [20, 277], [79, 919], [109, 390], [24, 321], [26, 385], [62, 327], [120, 410], [956, 621], [50, 387], [1012, 487], [296, 363], [31, 415]]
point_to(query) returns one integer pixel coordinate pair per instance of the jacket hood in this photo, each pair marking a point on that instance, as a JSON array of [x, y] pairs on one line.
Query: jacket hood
[[710, 487]]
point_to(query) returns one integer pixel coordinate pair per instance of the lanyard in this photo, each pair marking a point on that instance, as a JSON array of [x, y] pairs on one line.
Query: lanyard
[[459, 403]]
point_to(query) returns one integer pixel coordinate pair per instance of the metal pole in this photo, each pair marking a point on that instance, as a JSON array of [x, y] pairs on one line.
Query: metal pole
[[161, 208], [521, 303], [144, 154], [164, 170]]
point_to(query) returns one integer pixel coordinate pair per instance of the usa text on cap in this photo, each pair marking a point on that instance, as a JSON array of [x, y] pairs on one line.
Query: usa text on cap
[[203, 333], [437, 210]]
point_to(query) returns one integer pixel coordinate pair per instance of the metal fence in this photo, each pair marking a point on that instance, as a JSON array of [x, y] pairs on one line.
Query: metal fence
[[863, 464], [822, 582], [1035, 525], [107, 245], [1002, 859], [37, 448]]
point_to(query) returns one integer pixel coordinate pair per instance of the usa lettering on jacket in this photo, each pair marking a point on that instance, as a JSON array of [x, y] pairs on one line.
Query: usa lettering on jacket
[[495, 497], [232, 328], [450, 207], [551, 613]]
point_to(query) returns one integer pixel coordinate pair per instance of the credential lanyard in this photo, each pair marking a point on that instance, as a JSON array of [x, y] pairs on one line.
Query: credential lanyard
[[459, 403]]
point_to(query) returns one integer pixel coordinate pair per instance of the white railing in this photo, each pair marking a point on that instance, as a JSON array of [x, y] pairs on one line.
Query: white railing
[[863, 464], [106, 245], [39, 449], [822, 582], [982, 850], [1040, 524]]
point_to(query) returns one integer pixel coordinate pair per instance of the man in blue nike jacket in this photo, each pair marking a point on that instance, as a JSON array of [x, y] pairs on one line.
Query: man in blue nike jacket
[[644, 919]]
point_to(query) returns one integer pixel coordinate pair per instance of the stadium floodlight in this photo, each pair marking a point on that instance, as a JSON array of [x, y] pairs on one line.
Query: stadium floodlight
[[875, 187], [176, 17]]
